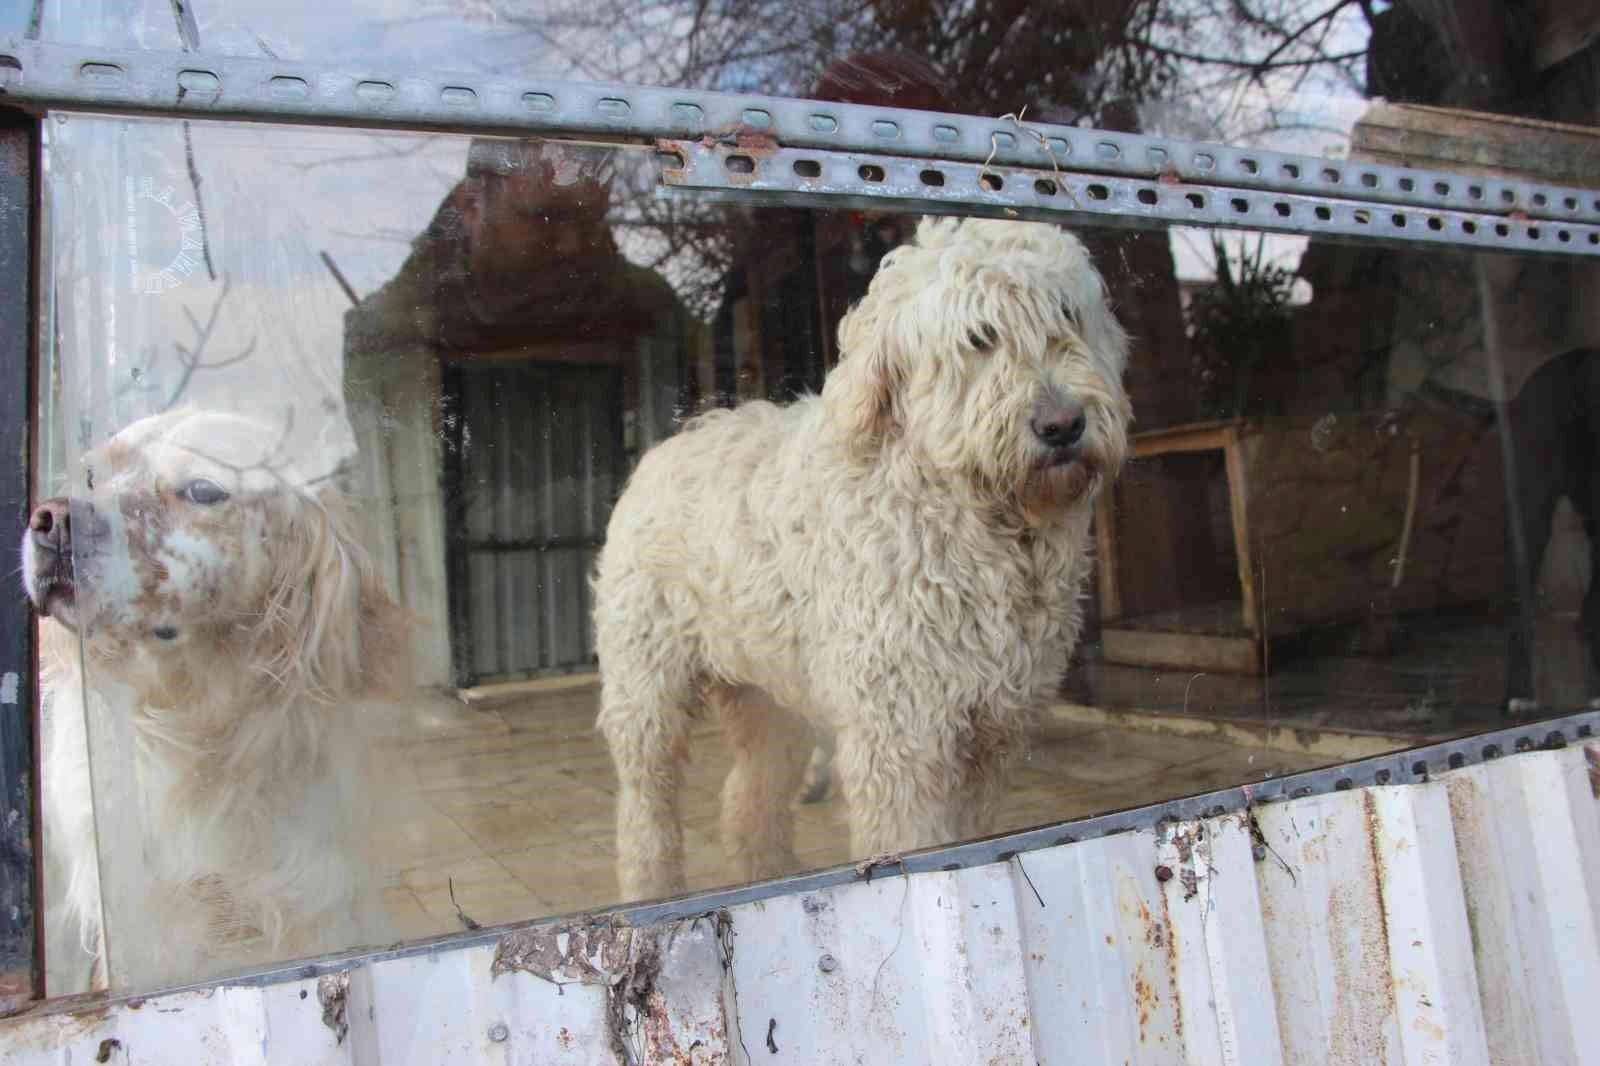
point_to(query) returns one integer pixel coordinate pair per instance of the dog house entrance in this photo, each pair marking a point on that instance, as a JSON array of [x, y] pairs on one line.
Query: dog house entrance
[[533, 463], [1175, 587]]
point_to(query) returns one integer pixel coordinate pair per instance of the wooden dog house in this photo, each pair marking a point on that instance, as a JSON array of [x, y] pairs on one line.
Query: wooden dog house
[[1223, 536]]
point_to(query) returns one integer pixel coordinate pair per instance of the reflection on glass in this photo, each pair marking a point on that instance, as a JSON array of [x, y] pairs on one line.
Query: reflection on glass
[[1355, 472], [212, 607]]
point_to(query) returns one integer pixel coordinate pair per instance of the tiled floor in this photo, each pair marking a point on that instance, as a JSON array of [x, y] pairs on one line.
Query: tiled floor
[[513, 805]]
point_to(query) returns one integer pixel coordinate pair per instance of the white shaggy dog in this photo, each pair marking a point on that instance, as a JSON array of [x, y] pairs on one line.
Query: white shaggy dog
[[206, 606], [898, 562]]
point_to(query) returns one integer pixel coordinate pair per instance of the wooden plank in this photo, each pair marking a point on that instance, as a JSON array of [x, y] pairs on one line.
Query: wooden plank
[[1200, 437], [1105, 537], [1188, 651], [1477, 143], [1214, 619], [1153, 551], [1238, 497]]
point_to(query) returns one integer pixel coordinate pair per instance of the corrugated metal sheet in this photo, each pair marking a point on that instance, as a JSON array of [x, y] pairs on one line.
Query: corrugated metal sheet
[[540, 457], [1448, 920]]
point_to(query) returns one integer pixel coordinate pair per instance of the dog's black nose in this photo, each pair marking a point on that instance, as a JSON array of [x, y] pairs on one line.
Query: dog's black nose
[[1059, 426], [50, 525]]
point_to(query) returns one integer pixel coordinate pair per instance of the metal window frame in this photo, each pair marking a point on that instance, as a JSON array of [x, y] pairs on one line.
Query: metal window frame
[[195, 85], [21, 975], [1409, 767], [800, 177], [864, 156]]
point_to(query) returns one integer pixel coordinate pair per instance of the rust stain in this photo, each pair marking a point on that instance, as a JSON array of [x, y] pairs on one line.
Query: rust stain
[[1374, 831], [1363, 996], [1146, 937], [82, 1022], [1185, 843], [1146, 999], [599, 953], [622, 959], [745, 138], [1432, 1030], [1470, 835], [333, 993], [1172, 972], [626, 961], [1363, 991]]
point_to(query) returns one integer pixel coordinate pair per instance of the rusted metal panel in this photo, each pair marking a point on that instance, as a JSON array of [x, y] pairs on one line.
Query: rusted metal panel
[[1101, 954], [1430, 945], [1224, 984], [1529, 845], [1327, 939], [1448, 920]]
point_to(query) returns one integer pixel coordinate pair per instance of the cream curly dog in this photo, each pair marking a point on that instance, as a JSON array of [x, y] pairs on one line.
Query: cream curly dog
[[898, 562]]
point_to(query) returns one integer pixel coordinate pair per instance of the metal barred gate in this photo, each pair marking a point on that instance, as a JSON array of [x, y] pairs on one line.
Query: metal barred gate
[[534, 462]]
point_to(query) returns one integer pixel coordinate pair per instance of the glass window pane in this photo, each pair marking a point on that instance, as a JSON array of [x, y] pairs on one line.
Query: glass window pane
[[342, 425]]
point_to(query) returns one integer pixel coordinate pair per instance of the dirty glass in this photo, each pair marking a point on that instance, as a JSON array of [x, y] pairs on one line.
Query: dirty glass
[[338, 422]]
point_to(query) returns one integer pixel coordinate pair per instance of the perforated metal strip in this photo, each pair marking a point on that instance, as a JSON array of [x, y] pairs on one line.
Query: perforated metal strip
[[265, 90], [798, 176]]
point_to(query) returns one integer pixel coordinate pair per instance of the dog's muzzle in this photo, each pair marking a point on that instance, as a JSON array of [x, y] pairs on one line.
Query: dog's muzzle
[[63, 535], [1058, 426], [47, 550]]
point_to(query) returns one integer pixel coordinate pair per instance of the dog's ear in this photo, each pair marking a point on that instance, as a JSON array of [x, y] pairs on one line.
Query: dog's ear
[[330, 629], [859, 393]]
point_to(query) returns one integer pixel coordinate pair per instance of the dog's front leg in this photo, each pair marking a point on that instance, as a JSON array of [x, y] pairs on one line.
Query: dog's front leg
[[769, 745], [649, 753], [903, 797]]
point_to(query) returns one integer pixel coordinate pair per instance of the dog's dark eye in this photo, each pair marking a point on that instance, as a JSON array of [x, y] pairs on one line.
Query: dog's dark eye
[[1072, 316], [202, 491], [983, 338]]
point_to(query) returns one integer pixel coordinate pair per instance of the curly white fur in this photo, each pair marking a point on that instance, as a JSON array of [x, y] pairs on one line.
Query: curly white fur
[[899, 561], [218, 613]]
